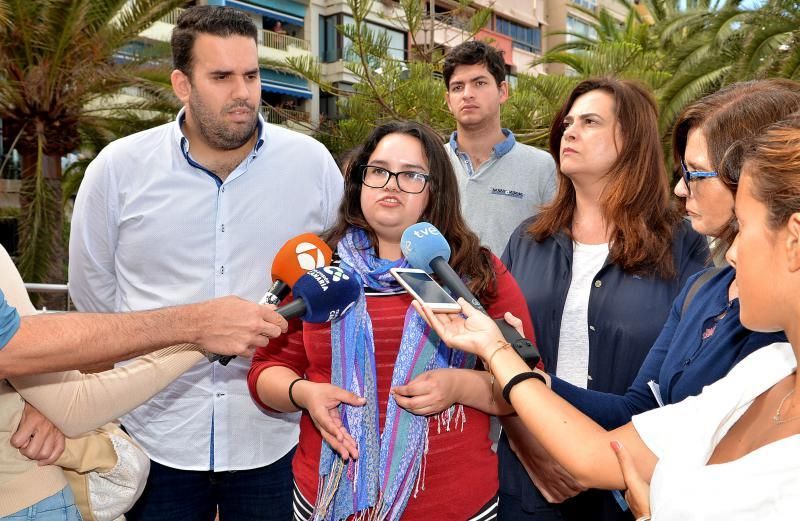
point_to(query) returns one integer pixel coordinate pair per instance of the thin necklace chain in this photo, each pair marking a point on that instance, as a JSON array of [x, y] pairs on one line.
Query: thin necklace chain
[[777, 420]]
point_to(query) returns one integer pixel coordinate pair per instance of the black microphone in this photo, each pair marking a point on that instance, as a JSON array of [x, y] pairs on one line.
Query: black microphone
[[319, 296], [426, 249]]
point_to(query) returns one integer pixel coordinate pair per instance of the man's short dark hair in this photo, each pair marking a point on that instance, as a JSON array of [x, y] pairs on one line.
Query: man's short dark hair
[[214, 20], [474, 52]]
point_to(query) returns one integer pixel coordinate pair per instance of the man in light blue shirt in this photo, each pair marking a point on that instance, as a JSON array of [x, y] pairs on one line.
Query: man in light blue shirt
[[191, 210], [502, 182]]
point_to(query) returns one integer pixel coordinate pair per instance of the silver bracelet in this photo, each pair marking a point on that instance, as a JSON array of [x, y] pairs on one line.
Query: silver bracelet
[[643, 518]]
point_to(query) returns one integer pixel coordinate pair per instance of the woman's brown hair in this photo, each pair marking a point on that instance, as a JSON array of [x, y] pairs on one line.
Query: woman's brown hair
[[734, 113], [635, 201], [774, 157], [467, 257]]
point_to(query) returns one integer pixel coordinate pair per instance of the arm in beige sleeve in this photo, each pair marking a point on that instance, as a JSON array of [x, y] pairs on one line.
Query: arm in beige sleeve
[[77, 403]]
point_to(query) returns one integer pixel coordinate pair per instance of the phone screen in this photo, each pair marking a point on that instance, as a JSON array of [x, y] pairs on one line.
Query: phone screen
[[427, 288]]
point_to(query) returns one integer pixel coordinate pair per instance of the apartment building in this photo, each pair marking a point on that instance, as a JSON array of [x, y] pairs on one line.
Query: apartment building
[[562, 15], [308, 27]]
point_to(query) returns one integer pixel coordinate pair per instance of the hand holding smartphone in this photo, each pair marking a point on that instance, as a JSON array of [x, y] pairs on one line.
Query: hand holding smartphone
[[425, 290]]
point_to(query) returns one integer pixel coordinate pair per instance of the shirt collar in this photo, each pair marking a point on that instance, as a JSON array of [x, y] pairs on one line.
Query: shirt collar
[[500, 149]]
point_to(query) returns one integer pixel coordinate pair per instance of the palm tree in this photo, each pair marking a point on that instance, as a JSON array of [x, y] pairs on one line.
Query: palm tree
[[62, 62]]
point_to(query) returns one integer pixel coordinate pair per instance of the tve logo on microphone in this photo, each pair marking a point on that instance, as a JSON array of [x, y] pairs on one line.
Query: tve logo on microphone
[[309, 256], [425, 231]]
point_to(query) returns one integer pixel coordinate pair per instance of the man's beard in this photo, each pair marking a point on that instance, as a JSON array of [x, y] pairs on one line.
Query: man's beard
[[213, 128]]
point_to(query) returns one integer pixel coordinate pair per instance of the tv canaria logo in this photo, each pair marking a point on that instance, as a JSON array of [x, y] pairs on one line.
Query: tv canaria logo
[[336, 274]]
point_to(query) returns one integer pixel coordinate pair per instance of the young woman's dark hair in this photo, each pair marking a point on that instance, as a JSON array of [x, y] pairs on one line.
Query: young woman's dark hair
[[636, 200], [206, 19], [734, 113], [468, 257]]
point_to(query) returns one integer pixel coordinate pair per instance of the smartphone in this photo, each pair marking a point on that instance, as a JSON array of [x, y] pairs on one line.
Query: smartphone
[[425, 290]]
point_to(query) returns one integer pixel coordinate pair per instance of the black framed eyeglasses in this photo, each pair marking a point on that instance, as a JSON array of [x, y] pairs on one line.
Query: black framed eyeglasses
[[378, 177], [690, 175]]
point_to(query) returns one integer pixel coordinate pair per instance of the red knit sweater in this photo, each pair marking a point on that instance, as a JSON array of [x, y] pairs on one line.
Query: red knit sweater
[[461, 469]]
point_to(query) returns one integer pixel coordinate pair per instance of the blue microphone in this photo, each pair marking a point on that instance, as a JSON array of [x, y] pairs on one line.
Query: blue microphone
[[426, 249], [320, 296]]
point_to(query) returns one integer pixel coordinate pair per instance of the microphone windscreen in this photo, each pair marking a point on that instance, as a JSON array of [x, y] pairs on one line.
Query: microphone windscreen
[[299, 255], [421, 243], [328, 293]]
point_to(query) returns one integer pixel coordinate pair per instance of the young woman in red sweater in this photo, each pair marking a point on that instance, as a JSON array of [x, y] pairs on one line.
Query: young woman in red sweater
[[393, 425]]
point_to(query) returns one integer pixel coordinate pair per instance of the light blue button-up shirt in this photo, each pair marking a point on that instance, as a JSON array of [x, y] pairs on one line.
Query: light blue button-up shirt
[[153, 228]]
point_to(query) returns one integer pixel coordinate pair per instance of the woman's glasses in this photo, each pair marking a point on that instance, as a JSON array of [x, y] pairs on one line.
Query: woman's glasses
[[690, 175], [378, 177]]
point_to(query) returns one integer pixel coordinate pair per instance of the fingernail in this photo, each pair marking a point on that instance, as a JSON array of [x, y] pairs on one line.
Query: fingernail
[[617, 446]]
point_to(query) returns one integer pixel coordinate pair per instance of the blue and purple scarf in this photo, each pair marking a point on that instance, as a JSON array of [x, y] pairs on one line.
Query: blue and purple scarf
[[377, 485]]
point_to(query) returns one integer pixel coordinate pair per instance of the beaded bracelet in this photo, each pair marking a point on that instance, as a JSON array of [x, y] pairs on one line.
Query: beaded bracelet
[[291, 398], [521, 377]]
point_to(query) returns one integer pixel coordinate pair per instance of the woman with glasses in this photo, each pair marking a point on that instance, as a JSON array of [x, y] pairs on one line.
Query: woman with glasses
[[702, 337], [413, 442]]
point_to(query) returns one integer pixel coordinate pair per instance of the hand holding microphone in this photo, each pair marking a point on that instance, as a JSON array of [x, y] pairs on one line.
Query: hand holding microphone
[[296, 257], [319, 296], [425, 248]]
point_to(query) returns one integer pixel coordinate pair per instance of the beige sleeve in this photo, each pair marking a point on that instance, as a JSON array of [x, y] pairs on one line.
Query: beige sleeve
[[13, 287], [77, 403]]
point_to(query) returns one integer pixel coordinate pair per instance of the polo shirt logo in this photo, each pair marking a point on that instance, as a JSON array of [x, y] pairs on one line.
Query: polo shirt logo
[[507, 193]]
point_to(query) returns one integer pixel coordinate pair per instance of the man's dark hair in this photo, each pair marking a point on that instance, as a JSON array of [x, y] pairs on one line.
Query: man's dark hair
[[214, 20], [474, 52]]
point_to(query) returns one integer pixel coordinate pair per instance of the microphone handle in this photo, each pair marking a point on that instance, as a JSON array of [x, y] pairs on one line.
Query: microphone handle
[[524, 347], [276, 293], [453, 282], [294, 309]]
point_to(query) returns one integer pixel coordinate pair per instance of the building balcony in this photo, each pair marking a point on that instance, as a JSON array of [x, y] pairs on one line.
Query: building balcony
[[443, 30], [297, 120], [271, 45]]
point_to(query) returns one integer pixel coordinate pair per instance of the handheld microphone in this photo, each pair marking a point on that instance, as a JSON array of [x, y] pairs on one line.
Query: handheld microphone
[[319, 296], [426, 249], [295, 258]]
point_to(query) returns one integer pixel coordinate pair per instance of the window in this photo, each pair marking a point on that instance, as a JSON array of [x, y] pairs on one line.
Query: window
[[522, 36], [334, 46], [587, 4], [579, 27]]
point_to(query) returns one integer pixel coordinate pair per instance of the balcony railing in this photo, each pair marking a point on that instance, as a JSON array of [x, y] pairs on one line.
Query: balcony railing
[[265, 37], [280, 116], [282, 41], [459, 22]]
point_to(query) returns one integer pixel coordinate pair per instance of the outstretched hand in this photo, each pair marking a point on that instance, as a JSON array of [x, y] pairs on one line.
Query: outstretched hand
[[322, 402], [474, 334]]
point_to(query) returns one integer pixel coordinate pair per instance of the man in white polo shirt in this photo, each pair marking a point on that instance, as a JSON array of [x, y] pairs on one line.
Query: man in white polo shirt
[[187, 211], [502, 182]]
